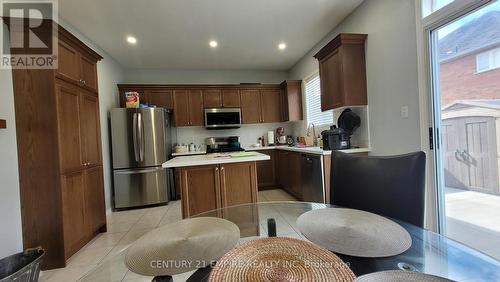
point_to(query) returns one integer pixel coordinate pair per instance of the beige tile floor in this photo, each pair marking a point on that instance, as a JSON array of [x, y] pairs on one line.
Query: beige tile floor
[[125, 227]]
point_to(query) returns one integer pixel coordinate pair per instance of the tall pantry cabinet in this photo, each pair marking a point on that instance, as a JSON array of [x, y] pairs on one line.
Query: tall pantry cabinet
[[59, 152]]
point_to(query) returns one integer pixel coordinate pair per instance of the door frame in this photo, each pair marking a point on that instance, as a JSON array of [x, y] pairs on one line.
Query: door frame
[[429, 127]]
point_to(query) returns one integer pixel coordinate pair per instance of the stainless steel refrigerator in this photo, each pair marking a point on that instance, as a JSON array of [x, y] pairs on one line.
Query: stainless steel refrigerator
[[140, 144]]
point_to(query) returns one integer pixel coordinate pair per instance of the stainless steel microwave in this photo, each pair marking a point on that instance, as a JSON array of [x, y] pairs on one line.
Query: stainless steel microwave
[[222, 118]]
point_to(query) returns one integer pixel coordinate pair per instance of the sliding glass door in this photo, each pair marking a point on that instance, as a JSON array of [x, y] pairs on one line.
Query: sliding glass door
[[465, 68]]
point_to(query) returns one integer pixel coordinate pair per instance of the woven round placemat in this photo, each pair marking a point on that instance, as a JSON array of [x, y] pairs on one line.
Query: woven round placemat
[[354, 232], [182, 246], [280, 259], [400, 275]]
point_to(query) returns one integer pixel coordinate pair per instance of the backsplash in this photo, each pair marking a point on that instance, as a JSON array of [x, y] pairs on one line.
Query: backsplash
[[249, 133]]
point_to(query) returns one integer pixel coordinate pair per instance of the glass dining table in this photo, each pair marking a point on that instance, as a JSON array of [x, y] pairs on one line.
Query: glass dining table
[[430, 253]]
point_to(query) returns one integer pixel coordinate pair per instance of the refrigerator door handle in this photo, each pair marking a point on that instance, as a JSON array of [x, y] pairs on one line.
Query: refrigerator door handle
[[139, 171], [140, 128], [134, 137]]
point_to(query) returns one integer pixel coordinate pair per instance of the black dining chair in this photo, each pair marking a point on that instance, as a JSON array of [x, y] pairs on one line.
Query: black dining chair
[[392, 186]]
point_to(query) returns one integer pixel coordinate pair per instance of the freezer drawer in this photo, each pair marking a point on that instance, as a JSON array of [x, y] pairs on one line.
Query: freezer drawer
[[140, 187]]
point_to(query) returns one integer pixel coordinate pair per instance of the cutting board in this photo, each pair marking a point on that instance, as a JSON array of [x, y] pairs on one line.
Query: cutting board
[[242, 154]]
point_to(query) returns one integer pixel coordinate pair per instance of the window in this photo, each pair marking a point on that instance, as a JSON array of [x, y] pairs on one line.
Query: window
[[430, 6], [488, 60], [313, 103]]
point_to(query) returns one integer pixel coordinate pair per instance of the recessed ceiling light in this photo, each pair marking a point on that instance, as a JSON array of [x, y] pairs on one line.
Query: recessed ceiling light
[[213, 43], [282, 46], [131, 39]]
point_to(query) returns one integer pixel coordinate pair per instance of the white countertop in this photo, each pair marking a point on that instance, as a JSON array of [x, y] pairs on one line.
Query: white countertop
[[189, 153], [308, 150], [197, 160]]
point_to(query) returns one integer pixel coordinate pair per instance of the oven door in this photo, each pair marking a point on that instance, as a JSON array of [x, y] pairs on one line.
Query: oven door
[[222, 118]]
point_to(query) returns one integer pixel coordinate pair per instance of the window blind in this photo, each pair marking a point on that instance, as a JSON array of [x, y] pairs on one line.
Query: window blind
[[313, 103]]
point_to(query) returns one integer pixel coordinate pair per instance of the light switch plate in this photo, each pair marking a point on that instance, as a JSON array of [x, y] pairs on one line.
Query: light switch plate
[[404, 112]]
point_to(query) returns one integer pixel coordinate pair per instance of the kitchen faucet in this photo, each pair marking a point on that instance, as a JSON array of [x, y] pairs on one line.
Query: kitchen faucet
[[315, 140]]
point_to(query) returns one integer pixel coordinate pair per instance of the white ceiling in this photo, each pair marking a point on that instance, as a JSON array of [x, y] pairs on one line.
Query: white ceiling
[[174, 34]]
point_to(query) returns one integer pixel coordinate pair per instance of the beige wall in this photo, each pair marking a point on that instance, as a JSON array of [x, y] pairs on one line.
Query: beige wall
[[10, 207], [391, 64], [203, 76]]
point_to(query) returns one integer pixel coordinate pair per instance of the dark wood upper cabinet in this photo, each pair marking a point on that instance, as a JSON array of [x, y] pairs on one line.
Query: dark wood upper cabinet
[[90, 128], [75, 66], [212, 98], [291, 100], [258, 103], [160, 97], [270, 106], [181, 108], [342, 71], [196, 114], [88, 72], [231, 98], [188, 107], [70, 140], [250, 106], [68, 63]]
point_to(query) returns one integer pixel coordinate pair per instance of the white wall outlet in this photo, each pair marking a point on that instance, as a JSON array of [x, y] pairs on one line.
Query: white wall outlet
[[404, 112]]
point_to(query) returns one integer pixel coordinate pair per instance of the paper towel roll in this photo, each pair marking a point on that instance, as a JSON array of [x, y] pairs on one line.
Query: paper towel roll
[[270, 137]]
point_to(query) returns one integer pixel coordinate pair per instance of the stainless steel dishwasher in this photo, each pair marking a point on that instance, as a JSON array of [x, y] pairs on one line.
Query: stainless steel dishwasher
[[312, 178]]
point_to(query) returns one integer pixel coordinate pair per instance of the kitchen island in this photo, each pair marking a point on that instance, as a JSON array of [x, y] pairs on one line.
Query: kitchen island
[[215, 181]]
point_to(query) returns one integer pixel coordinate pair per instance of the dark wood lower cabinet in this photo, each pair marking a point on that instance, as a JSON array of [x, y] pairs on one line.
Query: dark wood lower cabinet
[[73, 199], [295, 175], [238, 183], [95, 209], [200, 189], [84, 211], [266, 176], [288, 172], [205, 188]]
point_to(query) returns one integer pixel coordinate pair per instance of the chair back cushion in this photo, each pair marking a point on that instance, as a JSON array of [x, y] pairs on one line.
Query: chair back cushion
[[392, 186]]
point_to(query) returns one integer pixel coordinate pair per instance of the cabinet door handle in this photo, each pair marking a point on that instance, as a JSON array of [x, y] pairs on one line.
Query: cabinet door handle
[[84, 82], [217, 169]]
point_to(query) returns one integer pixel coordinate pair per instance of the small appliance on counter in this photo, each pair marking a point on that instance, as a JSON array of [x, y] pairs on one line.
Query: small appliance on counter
[[223, 144], [340, 138], [280, 136], [290, 141], [335, 139], [270, 138]]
